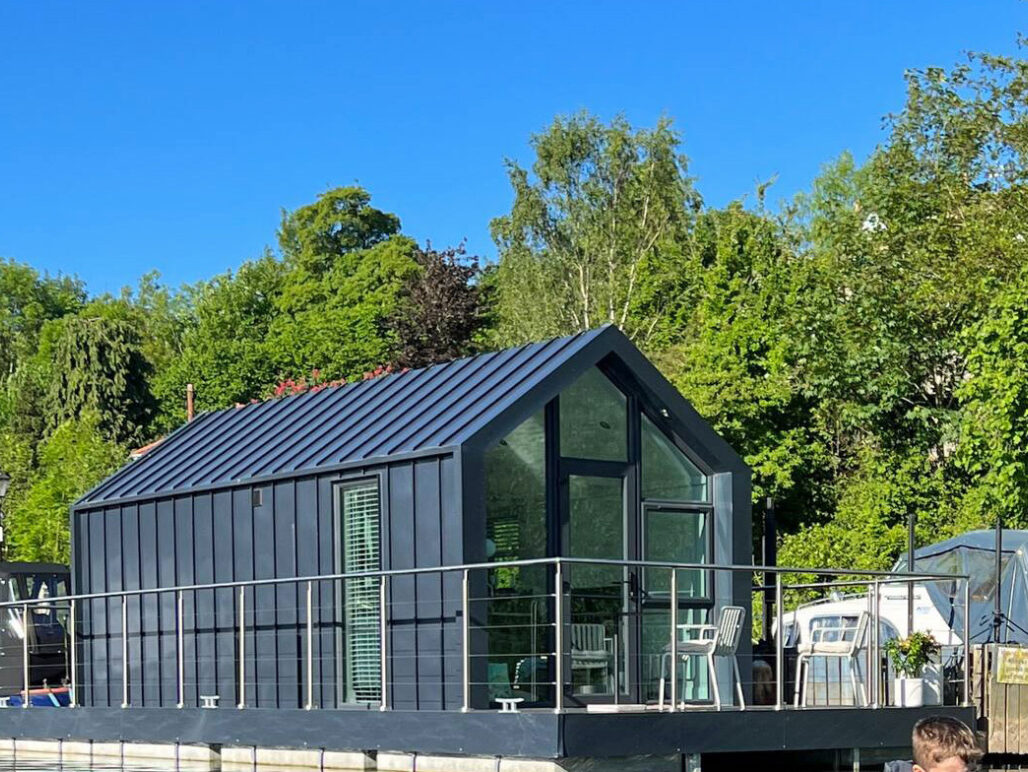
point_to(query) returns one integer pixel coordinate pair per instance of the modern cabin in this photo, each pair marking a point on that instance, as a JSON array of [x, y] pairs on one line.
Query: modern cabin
[[575, 447], [398, 564]]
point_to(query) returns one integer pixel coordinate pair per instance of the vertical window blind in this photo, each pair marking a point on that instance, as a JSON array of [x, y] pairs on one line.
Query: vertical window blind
[[360, 530]]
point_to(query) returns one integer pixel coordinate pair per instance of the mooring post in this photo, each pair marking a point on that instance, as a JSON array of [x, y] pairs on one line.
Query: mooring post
[[310, 645], [73, 702], [124, 653], [242, 646], [673, 659], [25, 652]]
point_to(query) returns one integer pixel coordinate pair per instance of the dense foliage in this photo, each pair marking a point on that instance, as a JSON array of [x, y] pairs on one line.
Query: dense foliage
[[864, 345]]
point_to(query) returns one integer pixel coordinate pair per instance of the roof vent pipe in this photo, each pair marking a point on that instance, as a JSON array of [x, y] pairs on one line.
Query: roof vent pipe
[[189, 402]]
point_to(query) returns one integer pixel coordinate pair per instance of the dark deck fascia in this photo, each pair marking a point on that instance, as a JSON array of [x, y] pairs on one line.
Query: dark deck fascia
[[528, 734]]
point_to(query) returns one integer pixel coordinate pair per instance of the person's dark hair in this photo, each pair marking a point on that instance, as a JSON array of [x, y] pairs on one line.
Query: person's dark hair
[[941, 737]]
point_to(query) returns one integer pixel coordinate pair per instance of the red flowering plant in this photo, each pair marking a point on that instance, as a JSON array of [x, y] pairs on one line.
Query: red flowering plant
[[289, 387]]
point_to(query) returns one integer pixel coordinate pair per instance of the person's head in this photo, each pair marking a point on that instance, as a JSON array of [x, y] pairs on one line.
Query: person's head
[[943, 744]]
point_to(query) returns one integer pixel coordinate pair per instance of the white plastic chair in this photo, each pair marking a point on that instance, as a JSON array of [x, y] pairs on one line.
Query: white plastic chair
[[589, 650], [844, 642], [712, 641]]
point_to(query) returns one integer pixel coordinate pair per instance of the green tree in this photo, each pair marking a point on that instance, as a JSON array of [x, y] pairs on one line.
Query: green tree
[[441, 310], [595, 233], [27, 301], [731, 354], [71, 461], [224, 350], [97, 365], [993, 445], [347, 267]]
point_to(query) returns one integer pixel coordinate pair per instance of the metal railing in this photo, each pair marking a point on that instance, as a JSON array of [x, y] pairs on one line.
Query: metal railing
[[558, 611]]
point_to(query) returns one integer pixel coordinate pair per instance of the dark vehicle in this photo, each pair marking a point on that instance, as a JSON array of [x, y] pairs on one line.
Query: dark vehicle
[[46, 630]]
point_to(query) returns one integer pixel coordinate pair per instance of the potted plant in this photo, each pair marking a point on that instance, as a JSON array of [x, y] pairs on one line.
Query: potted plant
[[909, 656]]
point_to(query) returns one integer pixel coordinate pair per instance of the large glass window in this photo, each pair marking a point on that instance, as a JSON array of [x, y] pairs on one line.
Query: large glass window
[[518, 614], [359, 510], [676, 536], [594, 419], [667, 473]]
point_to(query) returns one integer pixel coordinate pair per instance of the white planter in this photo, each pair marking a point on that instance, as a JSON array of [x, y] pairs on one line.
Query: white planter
[[909, 692]]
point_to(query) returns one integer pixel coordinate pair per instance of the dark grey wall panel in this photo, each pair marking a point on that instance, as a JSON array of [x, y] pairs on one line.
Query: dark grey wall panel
[[113, 570], [203, 566], [307, 565], [429, 587], [403, 594], [264, 603], [287, 660], [289, 530], [165, 678], [99, 608], [185, 545], [131, 559], [149, 621], [329, 627], [452, 554], [225, 600], [243, 567]]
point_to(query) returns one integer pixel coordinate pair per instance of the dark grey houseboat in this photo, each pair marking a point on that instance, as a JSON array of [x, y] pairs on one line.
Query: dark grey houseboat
[[576, 447], [400, 564]]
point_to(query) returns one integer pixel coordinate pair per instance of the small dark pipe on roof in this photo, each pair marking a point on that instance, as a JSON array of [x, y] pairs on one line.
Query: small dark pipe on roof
[[189, 402]]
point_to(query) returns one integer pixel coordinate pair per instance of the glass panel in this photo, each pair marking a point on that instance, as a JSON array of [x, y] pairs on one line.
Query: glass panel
[[667, 473], [597, 635], [360, 529], [676, 536], [693, 682], [594, 419], [518, 606]]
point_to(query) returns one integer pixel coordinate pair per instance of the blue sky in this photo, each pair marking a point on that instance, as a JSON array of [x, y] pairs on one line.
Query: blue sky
[[169, 135]]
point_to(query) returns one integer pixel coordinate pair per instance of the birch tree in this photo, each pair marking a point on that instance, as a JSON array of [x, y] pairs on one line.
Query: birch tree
[[594, 235]]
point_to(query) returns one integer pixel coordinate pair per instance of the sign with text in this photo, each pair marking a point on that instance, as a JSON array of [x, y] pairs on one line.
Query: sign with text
[[1011, 665]]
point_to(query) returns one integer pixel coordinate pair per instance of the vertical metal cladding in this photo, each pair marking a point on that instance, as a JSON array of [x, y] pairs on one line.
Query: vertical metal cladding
[[223, 536]]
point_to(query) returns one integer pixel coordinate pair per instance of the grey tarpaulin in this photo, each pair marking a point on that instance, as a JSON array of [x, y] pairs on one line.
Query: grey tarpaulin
[[974, 554]]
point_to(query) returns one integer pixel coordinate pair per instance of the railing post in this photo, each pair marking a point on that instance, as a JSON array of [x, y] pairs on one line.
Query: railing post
[[967, 641], [673, 660], [180, 649], [465, 640], [242, 647], [874, 668], [383, 635], [558, 637], [779, 646], [310, 646], [124, 653], [74, 656], [25, 653]]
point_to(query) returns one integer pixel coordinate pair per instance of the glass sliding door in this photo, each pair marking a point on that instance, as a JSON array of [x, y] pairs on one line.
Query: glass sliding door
[[674, 534], [362, 642], [598, 631]]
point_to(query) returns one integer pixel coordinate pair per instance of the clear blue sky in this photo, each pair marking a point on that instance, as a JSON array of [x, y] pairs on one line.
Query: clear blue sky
[[168, 135]]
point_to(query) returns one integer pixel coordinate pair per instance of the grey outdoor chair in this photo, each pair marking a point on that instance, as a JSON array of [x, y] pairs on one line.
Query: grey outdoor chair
[[721, 640], [590, 651], [841, 642]]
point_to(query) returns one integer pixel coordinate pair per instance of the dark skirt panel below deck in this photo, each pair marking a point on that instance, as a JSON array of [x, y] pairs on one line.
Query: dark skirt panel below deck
[[530, 734]]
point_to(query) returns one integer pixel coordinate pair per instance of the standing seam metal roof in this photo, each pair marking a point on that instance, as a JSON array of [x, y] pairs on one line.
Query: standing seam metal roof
[[434, 407]]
